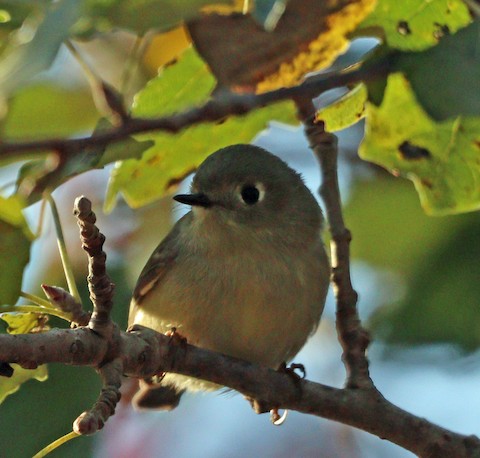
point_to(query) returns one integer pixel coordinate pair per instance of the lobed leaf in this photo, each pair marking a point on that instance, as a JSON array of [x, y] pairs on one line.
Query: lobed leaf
[[10, 385], [441, 158], [415, 25], [446, 78], [21, 323]]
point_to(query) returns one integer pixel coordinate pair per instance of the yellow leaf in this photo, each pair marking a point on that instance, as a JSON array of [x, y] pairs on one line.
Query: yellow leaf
[[308, 37], [324, 49], [165, 47]]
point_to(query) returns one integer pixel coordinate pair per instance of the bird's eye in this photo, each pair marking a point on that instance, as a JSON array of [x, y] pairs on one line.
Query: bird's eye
[[250, 194]]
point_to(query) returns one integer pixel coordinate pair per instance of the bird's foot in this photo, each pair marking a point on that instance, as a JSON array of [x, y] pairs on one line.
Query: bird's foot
[[276, 418], [262, 407], [290, 370], [175, 337]]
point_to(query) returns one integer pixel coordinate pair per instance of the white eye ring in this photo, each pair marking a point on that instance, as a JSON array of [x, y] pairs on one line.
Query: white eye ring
[[251, 194]]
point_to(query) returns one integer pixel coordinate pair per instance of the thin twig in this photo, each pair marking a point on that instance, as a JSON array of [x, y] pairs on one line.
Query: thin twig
[[144, 353], [99, 283], [107, 99], [353, 338], [91, 421], [55, 444], [67, 265]]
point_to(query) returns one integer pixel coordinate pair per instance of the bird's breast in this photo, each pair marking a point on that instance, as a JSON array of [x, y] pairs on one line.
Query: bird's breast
[[253, 303]]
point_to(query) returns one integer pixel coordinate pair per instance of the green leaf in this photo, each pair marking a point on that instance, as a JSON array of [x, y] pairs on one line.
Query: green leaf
[[48, 110], [26, 55], [345, 111], [126, 149], [184, 84], [391, 202], [440, 158], [15, 239], [446, 78], [38, 175], [415, 25], [20, 323], [9, 385], [138, 16], [441, 301]]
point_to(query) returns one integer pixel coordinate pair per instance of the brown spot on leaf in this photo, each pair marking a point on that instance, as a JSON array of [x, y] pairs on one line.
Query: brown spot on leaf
[[440, 30], [413, 152], [403, 28], [136, 174], [174, 182], [427, 183], [154, 160]]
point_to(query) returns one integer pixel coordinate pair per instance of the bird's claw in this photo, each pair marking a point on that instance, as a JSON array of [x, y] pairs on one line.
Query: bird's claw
[[276, 418], [176, 337], [290, 370]]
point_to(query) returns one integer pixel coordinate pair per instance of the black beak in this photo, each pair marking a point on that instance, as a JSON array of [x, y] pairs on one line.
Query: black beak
[[198, 199]]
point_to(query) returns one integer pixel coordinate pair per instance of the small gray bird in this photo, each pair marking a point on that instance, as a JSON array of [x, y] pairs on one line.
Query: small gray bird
[[243, 273]]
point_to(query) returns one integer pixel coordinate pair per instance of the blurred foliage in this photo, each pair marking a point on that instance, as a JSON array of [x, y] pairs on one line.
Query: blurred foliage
[[22, 323], [437, 258], [43, 412], [442, 302], [390, 230], [15, 240], [138, 16], [49, 110], [33, 47], [164, 48]]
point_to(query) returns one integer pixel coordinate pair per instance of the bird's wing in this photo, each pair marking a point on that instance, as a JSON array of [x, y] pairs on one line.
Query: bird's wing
[[159, 263]]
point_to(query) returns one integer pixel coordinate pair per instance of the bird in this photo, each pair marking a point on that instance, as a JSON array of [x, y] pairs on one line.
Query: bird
[[244, 272]]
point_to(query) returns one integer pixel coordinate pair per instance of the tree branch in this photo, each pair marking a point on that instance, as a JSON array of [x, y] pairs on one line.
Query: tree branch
[[353, 337], [99, 283], [224, 104], [144, 352]]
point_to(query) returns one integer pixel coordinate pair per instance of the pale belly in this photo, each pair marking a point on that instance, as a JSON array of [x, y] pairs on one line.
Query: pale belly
[[262, 312]]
